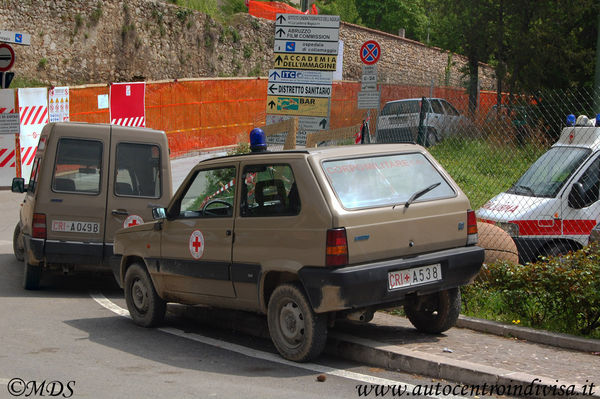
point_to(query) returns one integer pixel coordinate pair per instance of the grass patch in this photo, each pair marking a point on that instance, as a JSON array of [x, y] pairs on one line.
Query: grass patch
[[483, 168]]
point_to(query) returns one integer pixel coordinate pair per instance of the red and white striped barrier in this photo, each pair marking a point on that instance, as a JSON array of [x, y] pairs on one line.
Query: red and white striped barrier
[[135, 122]]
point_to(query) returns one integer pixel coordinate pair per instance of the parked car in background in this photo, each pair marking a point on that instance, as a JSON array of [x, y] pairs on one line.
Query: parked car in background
[[399, 120]]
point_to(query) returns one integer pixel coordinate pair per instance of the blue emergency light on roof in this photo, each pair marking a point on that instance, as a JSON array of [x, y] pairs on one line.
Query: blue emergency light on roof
[[571, 120], [258, 141]]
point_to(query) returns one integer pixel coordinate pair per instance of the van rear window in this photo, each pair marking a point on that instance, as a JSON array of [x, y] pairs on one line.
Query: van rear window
[[385, 180], [77, 167]]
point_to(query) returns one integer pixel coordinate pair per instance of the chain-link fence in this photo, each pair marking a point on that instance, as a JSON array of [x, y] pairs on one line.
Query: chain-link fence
[[499, 153]]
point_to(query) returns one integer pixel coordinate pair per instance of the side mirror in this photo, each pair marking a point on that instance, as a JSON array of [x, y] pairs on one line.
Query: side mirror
[[577, 196], [159, 213], [18, 185]]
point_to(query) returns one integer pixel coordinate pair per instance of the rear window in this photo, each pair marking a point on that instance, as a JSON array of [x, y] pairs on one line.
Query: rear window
[[401, 107], [78, 166], [385, 180]]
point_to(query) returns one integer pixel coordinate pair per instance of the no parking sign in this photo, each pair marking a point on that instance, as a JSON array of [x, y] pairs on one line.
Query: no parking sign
[[370, 52]]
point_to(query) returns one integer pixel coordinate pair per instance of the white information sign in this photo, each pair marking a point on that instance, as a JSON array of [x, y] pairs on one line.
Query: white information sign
[[322, 21], [300, 89], [294, 76], [304, 33], [368, 99], [58, 104], [9, 36], [306, 47]]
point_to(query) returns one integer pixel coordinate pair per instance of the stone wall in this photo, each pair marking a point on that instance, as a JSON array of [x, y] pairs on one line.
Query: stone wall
[[79, 41]]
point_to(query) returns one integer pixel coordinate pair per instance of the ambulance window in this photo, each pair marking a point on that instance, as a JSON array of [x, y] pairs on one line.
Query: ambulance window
[[590, 180], [77, 167], [210, 194], [138, 170]]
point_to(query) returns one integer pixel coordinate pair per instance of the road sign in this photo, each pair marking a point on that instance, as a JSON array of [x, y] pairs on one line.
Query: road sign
[[305, 47], [296, 105], [305, 61], [10, 123], [7, 57], [368, 86], [303, 90], [305, 123], [305, 33], [368, 99], [370, 52], [293, 76], [322, 21], [369, 69], [369, 78], [9, 36]]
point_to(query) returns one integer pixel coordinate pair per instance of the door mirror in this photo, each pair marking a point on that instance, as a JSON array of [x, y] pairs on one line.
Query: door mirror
[[577, 196], [159, 213], [18, 185]]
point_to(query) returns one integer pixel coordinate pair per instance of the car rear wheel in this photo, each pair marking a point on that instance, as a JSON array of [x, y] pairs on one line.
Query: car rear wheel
[[299, 334], [32, 276], [18, 245], [437, 312], [147, 309]]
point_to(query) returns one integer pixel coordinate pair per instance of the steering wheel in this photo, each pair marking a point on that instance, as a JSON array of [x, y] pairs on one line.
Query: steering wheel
[[215, 201]]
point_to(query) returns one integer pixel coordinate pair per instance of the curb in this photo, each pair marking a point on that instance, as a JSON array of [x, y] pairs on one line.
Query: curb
[[558, 340], [392, 357]]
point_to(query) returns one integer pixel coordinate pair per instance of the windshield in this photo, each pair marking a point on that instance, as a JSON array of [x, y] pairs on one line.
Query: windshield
[[385, 180], [550, 172]]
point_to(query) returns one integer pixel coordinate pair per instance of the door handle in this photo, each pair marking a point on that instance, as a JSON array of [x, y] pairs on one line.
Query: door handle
[[120, 212], [227, 233]]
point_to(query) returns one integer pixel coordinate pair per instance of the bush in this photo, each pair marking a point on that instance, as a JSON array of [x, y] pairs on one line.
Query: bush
[[557, 293]]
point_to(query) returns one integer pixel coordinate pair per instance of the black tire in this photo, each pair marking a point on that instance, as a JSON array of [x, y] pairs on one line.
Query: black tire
[[431, 137], [437, 313], [147, 309], [557, 249], [18, 245], [32, 275], [299, 334]]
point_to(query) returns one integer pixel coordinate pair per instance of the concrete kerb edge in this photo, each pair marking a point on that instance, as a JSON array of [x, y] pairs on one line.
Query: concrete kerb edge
[[529, 334], [378, 354]]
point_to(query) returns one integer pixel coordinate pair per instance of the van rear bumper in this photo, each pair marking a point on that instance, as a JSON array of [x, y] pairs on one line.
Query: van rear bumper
[[366, 285], [66, 252]]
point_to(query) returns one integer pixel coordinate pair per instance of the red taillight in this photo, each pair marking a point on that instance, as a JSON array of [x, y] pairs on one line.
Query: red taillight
[[39, 225], [337, 247], [471, 228]]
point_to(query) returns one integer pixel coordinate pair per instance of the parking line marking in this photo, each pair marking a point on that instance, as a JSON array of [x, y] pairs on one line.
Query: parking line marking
[[108, 304]]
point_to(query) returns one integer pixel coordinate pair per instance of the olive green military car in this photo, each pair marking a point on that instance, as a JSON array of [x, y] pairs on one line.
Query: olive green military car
[[307, 237]]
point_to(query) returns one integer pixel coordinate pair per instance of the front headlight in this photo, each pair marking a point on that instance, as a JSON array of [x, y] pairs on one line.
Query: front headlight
[[511, 228]]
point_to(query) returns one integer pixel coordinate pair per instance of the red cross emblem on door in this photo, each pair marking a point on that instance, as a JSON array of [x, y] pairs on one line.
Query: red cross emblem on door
[[196, 244]]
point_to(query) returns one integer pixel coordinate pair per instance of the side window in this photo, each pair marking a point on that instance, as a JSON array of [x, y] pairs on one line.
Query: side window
[[269, 190], [78, 165], [138, 170], [450, 110], [590, 180], [437, 107], [34, 175], [210, 194]]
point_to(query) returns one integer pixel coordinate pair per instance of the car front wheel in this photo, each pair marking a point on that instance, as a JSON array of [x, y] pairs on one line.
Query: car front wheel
[[435, 313], [299, 334], [147, 309]]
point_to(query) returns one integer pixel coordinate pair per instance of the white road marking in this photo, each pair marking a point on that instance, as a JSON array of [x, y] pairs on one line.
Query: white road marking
[[367, 379]]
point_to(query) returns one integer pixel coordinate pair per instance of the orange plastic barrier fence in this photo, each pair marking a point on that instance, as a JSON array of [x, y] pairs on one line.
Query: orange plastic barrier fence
[[270, 9], [202, 114]]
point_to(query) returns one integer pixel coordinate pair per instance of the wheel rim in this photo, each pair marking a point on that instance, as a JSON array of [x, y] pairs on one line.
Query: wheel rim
[[291, 324], [139, 295]]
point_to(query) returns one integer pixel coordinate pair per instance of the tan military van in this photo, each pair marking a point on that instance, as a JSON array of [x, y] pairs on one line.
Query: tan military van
[[307, 237], [87, 181]]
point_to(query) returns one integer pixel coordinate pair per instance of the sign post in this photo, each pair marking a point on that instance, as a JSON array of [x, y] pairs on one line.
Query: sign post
[[369, 96], [305, 57]]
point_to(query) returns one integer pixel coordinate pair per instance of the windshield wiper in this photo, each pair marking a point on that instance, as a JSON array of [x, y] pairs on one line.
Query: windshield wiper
[[525, 188], [421, 193]]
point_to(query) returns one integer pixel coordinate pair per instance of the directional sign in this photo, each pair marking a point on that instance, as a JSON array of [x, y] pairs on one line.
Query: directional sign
[[305, 47], [292, 76], [305, 61], [9, 36], [323, 21], [368, 86], [305, 123], [304, 90], [370, 52], [296, 105], [7, 57], [368, 99], [304, 33]]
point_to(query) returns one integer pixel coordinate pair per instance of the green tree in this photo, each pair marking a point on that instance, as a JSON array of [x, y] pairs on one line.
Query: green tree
[[346, 9], [392, 15]]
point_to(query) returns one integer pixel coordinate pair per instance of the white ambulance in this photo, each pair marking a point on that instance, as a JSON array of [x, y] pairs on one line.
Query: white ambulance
[[553, 207]]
